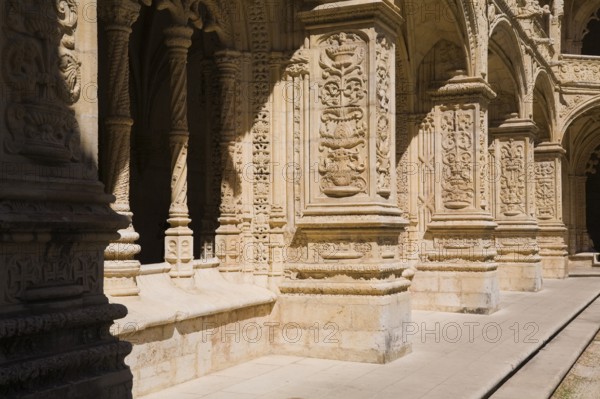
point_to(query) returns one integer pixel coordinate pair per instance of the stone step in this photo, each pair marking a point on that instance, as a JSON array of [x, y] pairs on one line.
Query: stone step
[[542, 374], [585, 259]]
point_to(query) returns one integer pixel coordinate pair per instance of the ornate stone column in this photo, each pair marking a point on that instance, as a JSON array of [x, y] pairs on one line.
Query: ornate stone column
[[228, 233], [513, 178], [120, 267], [55, 216], [549, 210], [179, 252], [457, 271], [347, 265]]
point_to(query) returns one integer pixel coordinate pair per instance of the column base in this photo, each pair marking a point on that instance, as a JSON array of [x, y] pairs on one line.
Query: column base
[[520, 276], [555, 267], [519, 266], [179, 250], [456, 291], [120, 277], [351, 328]]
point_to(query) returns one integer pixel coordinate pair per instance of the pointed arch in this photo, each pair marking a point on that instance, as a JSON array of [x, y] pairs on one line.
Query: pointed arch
[[543, 106]]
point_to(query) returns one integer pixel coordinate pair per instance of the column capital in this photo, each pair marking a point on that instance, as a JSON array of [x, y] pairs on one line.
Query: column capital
[[354, 12], [515, 127], [119, 14], [183, 12], [550, 149], [462, 88], [228, 62], [178, 37]]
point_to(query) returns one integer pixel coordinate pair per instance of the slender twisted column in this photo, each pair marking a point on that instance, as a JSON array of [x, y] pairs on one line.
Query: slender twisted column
[[228, 232], [179, 237], [120, 268]]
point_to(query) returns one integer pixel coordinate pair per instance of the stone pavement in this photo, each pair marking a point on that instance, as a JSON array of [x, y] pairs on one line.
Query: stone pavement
[[583, 381], [454, 355]]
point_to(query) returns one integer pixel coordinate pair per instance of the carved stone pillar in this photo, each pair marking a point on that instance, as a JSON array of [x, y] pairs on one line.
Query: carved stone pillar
[[120, 267], [457, 271], [347, 264], [549, 210], [55, 217], [179, 241], [513, 179], [228, 232]]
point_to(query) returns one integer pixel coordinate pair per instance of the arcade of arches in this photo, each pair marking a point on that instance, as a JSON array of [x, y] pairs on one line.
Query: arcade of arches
[[249, 165]]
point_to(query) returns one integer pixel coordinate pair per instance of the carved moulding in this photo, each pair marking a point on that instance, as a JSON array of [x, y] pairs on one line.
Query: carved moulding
[[545, 192], [458, 186], [343, 131], [384, 58], [261, 131], [578, 70]]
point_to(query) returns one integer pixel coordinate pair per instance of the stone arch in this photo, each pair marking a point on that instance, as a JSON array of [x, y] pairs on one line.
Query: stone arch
[[542, 107], [468, 22], [506, 73], [438, 65], [577, 17], [576, 107], [431, 21], [582, 143]]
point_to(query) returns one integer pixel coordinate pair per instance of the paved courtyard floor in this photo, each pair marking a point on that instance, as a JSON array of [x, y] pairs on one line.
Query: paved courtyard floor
[[454, 355]]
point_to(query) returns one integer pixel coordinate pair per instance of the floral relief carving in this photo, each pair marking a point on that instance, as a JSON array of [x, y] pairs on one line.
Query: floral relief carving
[[580, 70], [343, 131], [457, 146], [545, 191], [43, 73], [261, 133], [383, 54], [512, 178]]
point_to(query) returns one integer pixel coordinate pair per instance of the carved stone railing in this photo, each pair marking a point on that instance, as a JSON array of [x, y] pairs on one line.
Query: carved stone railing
[[579, 70]]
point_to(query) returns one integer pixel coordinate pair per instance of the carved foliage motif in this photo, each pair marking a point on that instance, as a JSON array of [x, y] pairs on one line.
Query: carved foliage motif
[[43, 73], [545, 191], [343, 131], [579, 71], [512, 178], [383, 54], [457, 146], [261, 132]]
